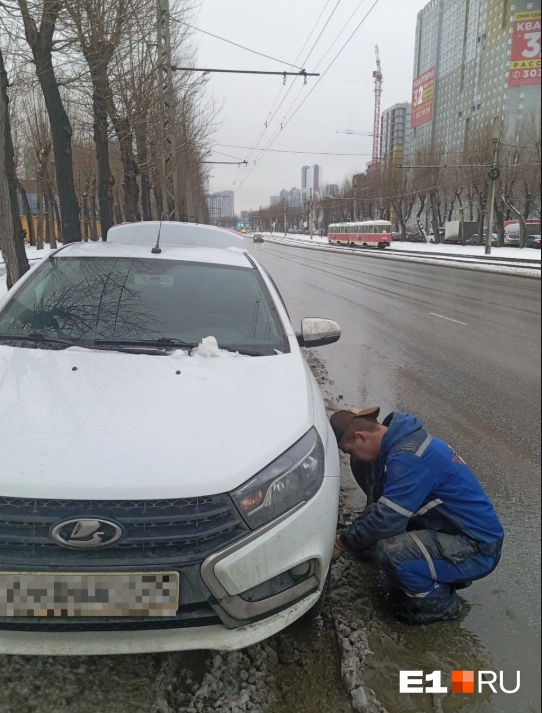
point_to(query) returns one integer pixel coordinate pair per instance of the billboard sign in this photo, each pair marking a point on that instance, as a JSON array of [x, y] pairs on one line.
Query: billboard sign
[[423, 95], [525, 61]]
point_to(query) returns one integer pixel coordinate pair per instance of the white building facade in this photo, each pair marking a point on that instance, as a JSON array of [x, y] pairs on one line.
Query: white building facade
[[395, 141], [221, 204]]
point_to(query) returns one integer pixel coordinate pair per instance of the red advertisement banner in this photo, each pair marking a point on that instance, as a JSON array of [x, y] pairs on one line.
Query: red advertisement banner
[[423, 95], [525, 61]]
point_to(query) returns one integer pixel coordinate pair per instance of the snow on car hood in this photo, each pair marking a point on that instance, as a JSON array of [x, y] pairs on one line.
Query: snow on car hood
[[92, 424]]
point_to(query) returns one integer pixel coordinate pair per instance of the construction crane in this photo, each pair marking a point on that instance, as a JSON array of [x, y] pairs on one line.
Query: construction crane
[[379, 78], [356, 133]]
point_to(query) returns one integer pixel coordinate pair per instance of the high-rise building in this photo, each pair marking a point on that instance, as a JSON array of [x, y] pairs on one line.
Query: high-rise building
[[221, 204], [396, 133], [311, 177], [295, 198], [284, 196], [275, 200], [476, 61], [332, 191]]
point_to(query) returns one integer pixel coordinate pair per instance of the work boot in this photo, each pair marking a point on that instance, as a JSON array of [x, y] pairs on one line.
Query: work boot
[[428, 611], [461, 585]]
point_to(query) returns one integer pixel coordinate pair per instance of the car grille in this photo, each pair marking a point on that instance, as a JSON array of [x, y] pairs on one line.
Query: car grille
[[157, 532]]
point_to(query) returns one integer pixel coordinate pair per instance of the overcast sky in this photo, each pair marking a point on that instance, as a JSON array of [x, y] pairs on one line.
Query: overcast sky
[[344, 98]]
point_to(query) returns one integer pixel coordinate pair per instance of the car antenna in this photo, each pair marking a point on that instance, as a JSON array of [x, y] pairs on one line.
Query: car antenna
[[157, 249]]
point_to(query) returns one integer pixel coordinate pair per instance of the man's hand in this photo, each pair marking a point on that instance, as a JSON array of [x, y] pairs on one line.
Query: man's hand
[[339, 549]]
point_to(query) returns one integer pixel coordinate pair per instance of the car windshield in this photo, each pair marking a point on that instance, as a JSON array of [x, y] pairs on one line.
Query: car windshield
[[144, 300]]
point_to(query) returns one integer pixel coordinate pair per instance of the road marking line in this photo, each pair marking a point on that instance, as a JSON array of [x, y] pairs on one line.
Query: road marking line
[[434, 314]]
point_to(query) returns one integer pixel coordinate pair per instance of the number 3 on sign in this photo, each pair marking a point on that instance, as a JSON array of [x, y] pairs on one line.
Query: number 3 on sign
[[533, 45]]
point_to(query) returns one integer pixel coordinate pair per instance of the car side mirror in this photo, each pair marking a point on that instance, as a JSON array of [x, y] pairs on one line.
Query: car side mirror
[[318, 332]]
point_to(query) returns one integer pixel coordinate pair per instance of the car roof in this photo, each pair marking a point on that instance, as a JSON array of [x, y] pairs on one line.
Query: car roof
[[231, 257]]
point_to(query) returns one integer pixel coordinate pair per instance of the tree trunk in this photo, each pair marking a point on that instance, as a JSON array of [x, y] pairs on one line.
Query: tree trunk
[[158, 201], [419, 213], [58, 219], [61, 132], [28, 213], [93, 226], [125, 136], [481, 218], [143, 163], [101, 140], [86, 217], [434, 216], [40, 208], [499, 218], [46, 221], [528, 204], [51, 234], [521, 221], [12, 245]]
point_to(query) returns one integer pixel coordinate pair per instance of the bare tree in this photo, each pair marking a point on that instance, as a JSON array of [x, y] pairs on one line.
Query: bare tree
[[99, 28], [11, 233], [40, 41]]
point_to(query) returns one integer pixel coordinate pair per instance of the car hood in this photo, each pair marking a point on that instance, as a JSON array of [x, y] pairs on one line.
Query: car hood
[[87, 424]]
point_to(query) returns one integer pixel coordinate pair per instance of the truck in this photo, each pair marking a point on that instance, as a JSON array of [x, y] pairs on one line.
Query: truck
[[458, 232]]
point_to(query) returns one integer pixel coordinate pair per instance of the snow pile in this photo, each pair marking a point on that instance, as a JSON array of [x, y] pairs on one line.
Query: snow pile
[[346, 600], [468, 250], [239, 251], [209, 348], [299, 237]]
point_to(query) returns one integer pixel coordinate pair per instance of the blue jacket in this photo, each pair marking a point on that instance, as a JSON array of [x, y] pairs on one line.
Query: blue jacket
[[425, 485]]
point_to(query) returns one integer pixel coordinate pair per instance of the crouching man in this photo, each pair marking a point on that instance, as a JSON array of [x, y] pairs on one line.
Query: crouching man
[[434, 528]]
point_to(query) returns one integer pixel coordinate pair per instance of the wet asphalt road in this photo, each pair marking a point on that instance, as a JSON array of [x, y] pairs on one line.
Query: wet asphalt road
[[475, 381]]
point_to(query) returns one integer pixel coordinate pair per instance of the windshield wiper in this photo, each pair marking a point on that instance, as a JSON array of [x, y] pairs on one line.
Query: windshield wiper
[[161, 343], [44, 338], [167, 343]]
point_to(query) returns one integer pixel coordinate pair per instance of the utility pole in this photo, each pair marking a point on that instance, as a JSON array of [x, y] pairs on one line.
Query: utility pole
[[355, 180], [285, 219], [494, 174], [311, 219], [170, 187]]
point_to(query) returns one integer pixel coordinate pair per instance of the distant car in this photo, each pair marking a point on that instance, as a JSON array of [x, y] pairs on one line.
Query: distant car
[[398, 237], [473, 240], [416, 238], [534, 242], [512, 240], [258, 238]]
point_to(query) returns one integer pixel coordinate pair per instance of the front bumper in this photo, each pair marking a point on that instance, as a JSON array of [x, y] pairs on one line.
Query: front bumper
[[305, 534]]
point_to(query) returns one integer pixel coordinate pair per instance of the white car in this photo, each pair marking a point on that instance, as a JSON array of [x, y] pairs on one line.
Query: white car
[[168, 477]]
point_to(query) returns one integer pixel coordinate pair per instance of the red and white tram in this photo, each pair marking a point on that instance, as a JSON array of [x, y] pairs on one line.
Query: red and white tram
[[370, 233]]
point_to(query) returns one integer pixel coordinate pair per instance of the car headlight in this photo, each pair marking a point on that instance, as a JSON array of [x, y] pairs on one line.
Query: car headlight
[[293, 478]]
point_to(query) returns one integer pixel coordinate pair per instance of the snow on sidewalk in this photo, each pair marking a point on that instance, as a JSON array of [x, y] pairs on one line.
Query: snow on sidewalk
[[469, 250], [454, 250]]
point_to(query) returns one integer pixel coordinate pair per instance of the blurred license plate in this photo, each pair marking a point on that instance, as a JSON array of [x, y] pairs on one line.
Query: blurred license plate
[[97, 595]]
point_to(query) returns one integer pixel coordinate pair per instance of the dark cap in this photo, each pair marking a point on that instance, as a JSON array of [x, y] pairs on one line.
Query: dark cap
[[342, 420]]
